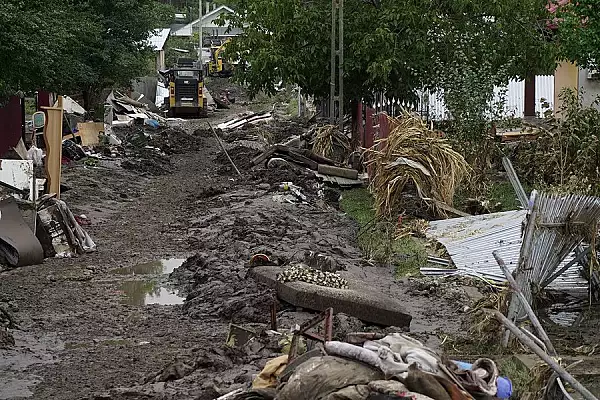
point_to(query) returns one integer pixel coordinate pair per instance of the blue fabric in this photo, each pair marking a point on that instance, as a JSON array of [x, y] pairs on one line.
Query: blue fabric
[[503, 384], [152, 122]]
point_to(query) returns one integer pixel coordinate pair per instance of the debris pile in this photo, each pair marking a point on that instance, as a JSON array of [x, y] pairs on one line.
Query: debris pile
[[124, 110], [374, 366], [414, 156]]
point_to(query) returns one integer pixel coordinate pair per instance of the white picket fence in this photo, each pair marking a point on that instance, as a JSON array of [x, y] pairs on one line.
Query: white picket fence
[[432, 105]]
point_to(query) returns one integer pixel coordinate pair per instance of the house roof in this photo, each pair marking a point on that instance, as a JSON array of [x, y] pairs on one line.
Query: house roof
[[208, 16], [158, 38]]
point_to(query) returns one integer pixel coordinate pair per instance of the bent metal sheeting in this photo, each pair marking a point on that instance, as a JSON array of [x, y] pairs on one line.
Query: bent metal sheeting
[[470, 242]]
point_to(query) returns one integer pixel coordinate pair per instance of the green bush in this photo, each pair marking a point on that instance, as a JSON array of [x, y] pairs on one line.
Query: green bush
[[566, 154]]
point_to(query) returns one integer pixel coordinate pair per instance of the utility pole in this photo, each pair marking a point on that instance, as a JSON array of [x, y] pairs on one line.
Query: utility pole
[[341, 65], [332, 78], [337, 6], [200, 21]]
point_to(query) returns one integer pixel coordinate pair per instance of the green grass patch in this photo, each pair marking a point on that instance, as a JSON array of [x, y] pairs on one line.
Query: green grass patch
[[358, 204], [504, 193], [410, 255], [496, 192], [376, 238]]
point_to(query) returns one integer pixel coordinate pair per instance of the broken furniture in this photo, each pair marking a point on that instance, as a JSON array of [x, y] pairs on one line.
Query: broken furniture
[[59, 232], [326, 317], [18, 244], [53, 140]]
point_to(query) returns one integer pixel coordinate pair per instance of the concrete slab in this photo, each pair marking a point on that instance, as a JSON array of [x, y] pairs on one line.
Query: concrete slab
[[361, 303]]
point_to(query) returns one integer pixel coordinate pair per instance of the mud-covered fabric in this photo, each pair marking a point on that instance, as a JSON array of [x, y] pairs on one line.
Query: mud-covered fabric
[[320, 378]]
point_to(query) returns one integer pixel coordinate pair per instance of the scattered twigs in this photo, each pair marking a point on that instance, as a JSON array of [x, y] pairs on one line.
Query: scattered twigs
[[534, 320], [561, 371]]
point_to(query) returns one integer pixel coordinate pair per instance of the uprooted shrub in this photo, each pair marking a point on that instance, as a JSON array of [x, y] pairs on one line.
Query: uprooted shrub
[[566, 153], [414, 155]]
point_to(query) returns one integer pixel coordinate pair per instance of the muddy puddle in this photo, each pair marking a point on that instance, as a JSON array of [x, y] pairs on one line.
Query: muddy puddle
[[157, 267], [140, 293], [144, 292]]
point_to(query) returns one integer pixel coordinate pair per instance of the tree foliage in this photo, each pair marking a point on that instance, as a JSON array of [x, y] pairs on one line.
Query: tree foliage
[[75, 45], [395, 48], [579, 30]]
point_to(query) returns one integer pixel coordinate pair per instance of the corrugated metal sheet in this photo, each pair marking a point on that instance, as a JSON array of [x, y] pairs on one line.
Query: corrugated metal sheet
[[470, 242], [556, 225]]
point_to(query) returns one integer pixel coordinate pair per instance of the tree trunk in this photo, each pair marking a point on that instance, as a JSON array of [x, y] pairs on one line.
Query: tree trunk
[[87, 99]]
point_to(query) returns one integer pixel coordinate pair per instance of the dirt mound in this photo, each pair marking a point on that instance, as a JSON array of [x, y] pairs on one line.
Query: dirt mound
[[169, 139], [174, 140], [217, 85], [150, 166], [282, 130], [216, 287], [242, 157]]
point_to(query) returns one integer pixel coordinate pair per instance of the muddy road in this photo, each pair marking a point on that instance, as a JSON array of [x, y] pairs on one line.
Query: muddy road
[[116, 323]]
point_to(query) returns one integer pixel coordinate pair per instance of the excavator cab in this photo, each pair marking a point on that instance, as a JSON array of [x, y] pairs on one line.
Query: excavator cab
[[218, 66]]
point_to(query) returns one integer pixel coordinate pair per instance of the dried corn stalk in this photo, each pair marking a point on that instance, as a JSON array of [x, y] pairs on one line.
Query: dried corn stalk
[[331, 143], [413, 153]]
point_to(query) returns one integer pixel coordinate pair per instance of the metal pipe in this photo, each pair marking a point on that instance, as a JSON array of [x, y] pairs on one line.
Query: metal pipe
[[200, 34], [224, 150]]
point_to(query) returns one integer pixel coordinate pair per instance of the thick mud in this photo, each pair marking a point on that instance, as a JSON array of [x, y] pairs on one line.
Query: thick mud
[[128, 322]]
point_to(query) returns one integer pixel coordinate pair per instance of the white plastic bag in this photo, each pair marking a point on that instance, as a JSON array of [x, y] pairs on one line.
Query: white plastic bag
[[35, 155]]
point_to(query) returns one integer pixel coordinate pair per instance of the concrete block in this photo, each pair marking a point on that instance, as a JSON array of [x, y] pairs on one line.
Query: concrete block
[[369, 306]]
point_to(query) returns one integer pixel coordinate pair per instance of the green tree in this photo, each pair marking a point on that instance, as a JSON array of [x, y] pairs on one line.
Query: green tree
[[115, 48], [75, 45], [35, 37], [396, 48], [579, 31]]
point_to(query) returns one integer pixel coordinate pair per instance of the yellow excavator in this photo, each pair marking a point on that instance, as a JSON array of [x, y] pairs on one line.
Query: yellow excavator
[[218, 65]]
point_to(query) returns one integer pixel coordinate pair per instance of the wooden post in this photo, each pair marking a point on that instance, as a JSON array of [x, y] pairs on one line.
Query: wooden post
[[530, 96], [53, 139]]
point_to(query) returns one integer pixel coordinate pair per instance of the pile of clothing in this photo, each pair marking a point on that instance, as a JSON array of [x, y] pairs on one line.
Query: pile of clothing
[[392, 367]]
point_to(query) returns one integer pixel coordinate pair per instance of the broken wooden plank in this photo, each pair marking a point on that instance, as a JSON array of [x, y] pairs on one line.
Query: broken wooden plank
[[450, 209], [337, 171], [263, 157], [300, 159], [89, 132], [53, 139], [316, 157]]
